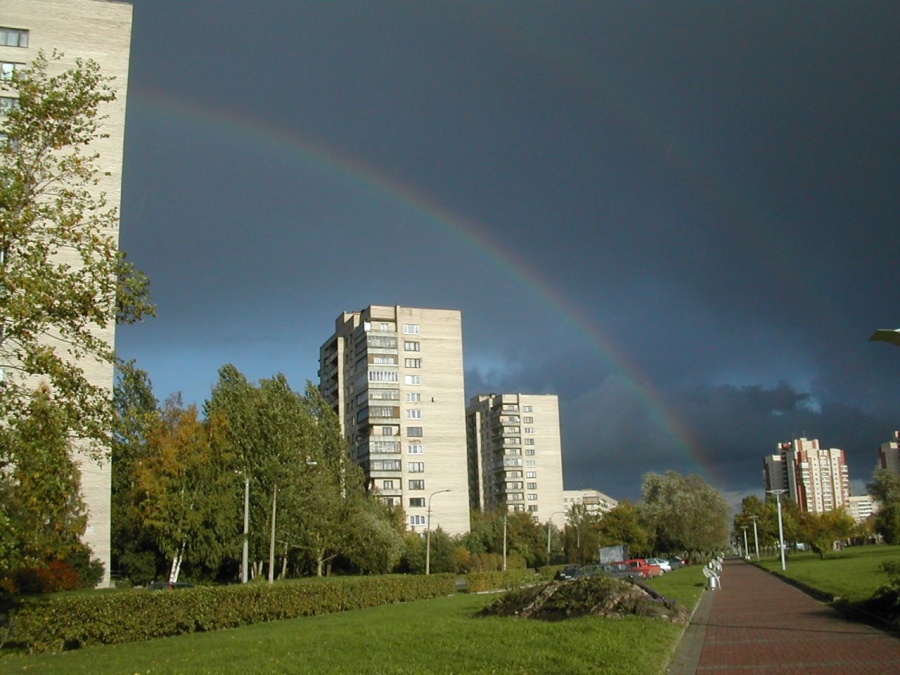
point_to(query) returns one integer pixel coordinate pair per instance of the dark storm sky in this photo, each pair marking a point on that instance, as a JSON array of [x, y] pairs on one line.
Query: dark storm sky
[[680, 217]]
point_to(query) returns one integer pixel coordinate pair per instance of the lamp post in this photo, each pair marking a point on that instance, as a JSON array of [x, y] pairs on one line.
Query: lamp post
[[428, 532], [755, 536], [245, 553], [746, 547], [778, 494], [549, 528], [505, 514]]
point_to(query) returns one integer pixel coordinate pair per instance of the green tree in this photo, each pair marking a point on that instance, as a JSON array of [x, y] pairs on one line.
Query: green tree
[[135, 554], [41, 493], [622, 526], [187, 496], [822, 530], [684, 513], [63, 281], [885, 488], [582, 535]]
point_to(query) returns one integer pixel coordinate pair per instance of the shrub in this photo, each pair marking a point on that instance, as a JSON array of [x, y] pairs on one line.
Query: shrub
[[491, 581], [45, 624]]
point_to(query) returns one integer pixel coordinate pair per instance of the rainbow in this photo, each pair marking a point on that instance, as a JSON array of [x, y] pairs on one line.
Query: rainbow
[[197, 119]]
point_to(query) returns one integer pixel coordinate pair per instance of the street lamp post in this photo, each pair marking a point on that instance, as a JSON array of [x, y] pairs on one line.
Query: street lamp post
[[778, 494], [746, 547], [428, 532], [245, 553], [549, 528], [505, 514], [755, 536]]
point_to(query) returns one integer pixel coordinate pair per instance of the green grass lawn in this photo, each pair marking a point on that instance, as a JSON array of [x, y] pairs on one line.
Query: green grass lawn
[[429, 636], [853, 574]]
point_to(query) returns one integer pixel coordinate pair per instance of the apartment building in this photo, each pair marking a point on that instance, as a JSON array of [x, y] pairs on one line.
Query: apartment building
[[515, 454], [595, 502], [90, 29], [394, 375], [817, 479], [889, 454]]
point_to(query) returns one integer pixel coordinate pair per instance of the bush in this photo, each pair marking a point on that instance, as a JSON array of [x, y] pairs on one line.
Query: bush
[[70, 622]]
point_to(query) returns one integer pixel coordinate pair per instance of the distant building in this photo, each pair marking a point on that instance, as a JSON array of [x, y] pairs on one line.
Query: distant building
[[817, 480], [394, 376], [889, 454], [99, 30], [861, 507], [515, 454], [595, 502]]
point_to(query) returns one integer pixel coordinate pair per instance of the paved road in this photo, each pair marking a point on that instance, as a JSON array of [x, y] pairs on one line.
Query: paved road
[[756, 623]]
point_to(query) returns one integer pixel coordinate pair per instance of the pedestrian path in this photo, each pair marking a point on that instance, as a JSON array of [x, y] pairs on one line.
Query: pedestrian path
[[757, 623]]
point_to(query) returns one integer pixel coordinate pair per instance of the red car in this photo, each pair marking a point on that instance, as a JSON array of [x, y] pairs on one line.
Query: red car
[[642, 567]]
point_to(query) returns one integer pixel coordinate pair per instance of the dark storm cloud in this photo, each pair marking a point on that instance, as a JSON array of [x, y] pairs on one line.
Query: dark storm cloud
[[673, 210]]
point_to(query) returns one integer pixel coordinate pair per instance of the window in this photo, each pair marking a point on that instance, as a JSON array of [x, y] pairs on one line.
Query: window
[[531, 474], [417, 484], [13, 37], [7, 69], [512, 461], [384, 360], [413, 414], [529, 453], [416, 467], [415, 449], [415, 432], [510, 407], [529, 430], [387, 485], [527, 408], [514, 485], [528, 420], [412, 363], [529, 462], [385, 327], [385, 465], [532, 508], [532, 486], [383, 411], [413, 397], [515, 497], [412, 380], [382, 447], [529, 441], [416, 520], [383, 376], [513, 474], [411, 328], [417, 502], [8, 104], [412, 346], [532, 498]]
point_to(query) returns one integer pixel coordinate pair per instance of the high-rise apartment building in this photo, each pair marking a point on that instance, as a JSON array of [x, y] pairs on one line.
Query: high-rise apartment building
[[889, 454], [816, 479], [90, 29], [515, 454], [394, 375]]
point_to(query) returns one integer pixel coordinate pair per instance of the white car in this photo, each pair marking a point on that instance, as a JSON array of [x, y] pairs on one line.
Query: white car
[[664, 564]]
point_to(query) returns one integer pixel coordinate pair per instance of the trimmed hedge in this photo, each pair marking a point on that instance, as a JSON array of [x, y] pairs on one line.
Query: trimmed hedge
[[492, 581], [61, 622]]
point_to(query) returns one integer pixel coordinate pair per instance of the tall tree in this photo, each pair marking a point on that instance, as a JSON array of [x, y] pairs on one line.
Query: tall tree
[[41, 491], [135, 554], [684, 513], [622, 526], [63, 281], [186, 485], [885, 488]]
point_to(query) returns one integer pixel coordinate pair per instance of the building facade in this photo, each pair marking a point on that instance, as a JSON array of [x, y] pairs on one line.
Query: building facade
[[889, 454], [88, 29], [595, 502], [515, 454], [818, 480], [394, 375]]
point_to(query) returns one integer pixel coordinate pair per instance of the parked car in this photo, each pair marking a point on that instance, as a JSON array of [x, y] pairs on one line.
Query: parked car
[[615, 570], [639, 566], [664, 564], [570, 572], [676, 563]]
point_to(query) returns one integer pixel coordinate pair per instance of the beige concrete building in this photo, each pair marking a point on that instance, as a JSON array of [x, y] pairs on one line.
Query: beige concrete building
[[816, 478], [515, 454], [90, 29], [394, 375], [861, 507], [595, 502]]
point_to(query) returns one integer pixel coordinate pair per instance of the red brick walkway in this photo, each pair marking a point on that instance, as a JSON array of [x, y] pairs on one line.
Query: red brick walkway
[[756, 623]]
